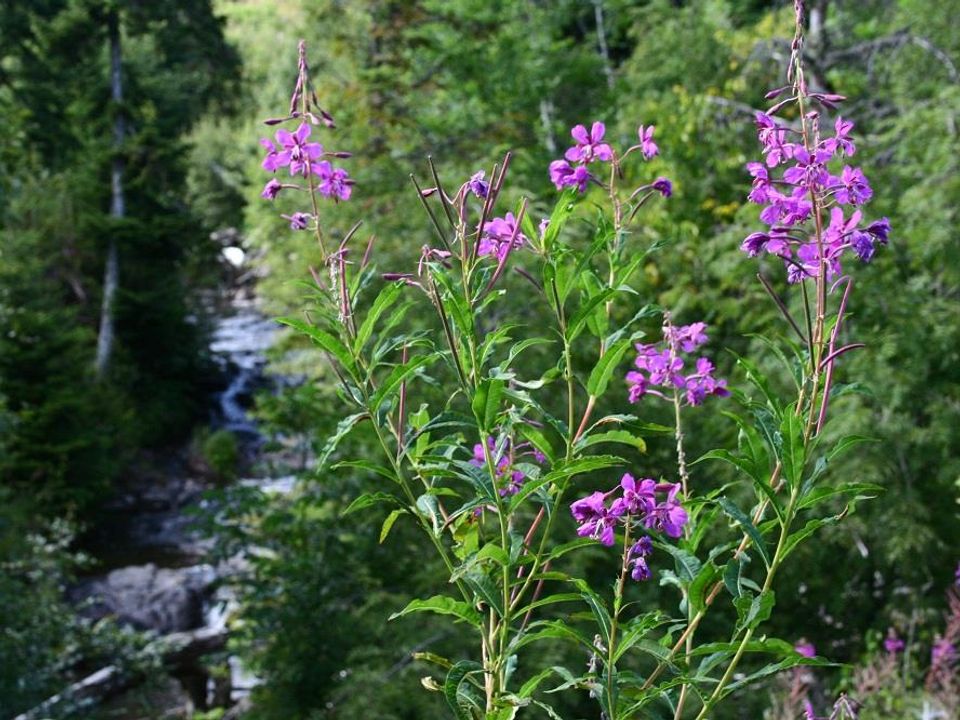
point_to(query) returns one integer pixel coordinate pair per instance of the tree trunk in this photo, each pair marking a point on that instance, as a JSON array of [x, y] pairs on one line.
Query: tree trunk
[[111, 274]]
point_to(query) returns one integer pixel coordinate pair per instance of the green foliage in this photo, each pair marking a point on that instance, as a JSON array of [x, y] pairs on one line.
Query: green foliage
[[221, 452]]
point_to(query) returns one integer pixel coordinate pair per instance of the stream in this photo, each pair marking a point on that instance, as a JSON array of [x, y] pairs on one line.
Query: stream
[[153, 571]]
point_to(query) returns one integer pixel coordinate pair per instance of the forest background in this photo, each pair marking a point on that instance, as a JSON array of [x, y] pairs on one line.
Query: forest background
[[461, 81]]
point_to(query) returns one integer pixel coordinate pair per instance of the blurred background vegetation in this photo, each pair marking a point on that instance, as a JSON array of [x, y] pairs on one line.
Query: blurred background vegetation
[[461, 81]]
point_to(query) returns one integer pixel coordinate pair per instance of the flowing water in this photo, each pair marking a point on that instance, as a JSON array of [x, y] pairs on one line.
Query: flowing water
[[152, 569]]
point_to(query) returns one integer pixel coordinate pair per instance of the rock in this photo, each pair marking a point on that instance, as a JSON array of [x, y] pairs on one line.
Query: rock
[[150, 598]]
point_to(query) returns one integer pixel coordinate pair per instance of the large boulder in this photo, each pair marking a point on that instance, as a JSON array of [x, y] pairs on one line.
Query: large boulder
[[150, 598]]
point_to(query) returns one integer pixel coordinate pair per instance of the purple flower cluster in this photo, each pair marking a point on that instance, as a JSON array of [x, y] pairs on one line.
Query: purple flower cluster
[[806, 186], [504, 459], [599, 513], [292, 150], [662, 365], [572, 170], [500, 236]]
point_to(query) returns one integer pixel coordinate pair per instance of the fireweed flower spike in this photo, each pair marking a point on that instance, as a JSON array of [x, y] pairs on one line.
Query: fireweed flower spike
[[304, 158], [637, 504], [661, 368], [808, 181]]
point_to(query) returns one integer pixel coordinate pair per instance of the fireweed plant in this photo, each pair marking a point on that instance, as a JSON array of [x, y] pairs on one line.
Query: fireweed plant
[[487, 474]]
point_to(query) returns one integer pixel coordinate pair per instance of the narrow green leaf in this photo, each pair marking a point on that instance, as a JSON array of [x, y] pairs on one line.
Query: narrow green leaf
[[324, 339], [367, 500], [387, 297], [604, 369], [622, 437], [748, 527], [458, 700], [343, 429], [397, 376], [442, 605], [388, 523]]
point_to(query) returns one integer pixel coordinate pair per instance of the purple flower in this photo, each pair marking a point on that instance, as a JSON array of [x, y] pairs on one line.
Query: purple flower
[[478, 186], [647, 146], [773, 137], [841, 141], [271, 189], [663, 186], [892, 644], [702, 383], [638, 385], [562, 175], [642, 547], [293, 151], [595, 518], [589, 147], [668, 516], [640, 571], [664, 368], [761, 183], [689, 337], [638, 497], [334, 181], [956, 575], [853, 188], [497, 235], [806, 649], [298, 221], [880, 230], [517, 478], [810, 172]]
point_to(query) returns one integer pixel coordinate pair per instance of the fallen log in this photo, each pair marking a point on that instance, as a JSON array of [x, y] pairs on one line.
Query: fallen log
[[177, 650]]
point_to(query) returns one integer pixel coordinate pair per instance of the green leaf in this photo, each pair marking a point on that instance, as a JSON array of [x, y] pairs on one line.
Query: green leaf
[[343, 429], [485, 590], [774, 669], [845, 443], [806, 531], [367, 500], [697, 591], [457, 698], [387, 297], [759, 381], [748, 527], [623, 437], [688, 567], [753, 609], [601, 373], [579, 320], [558, 218], [854, 491], [380, 470], [429, 506], [442, 605], [397, 376], [388, 523], [486, 403], [733, 574], [792, 451], [562, 472], [324, 339], [599, 609]]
